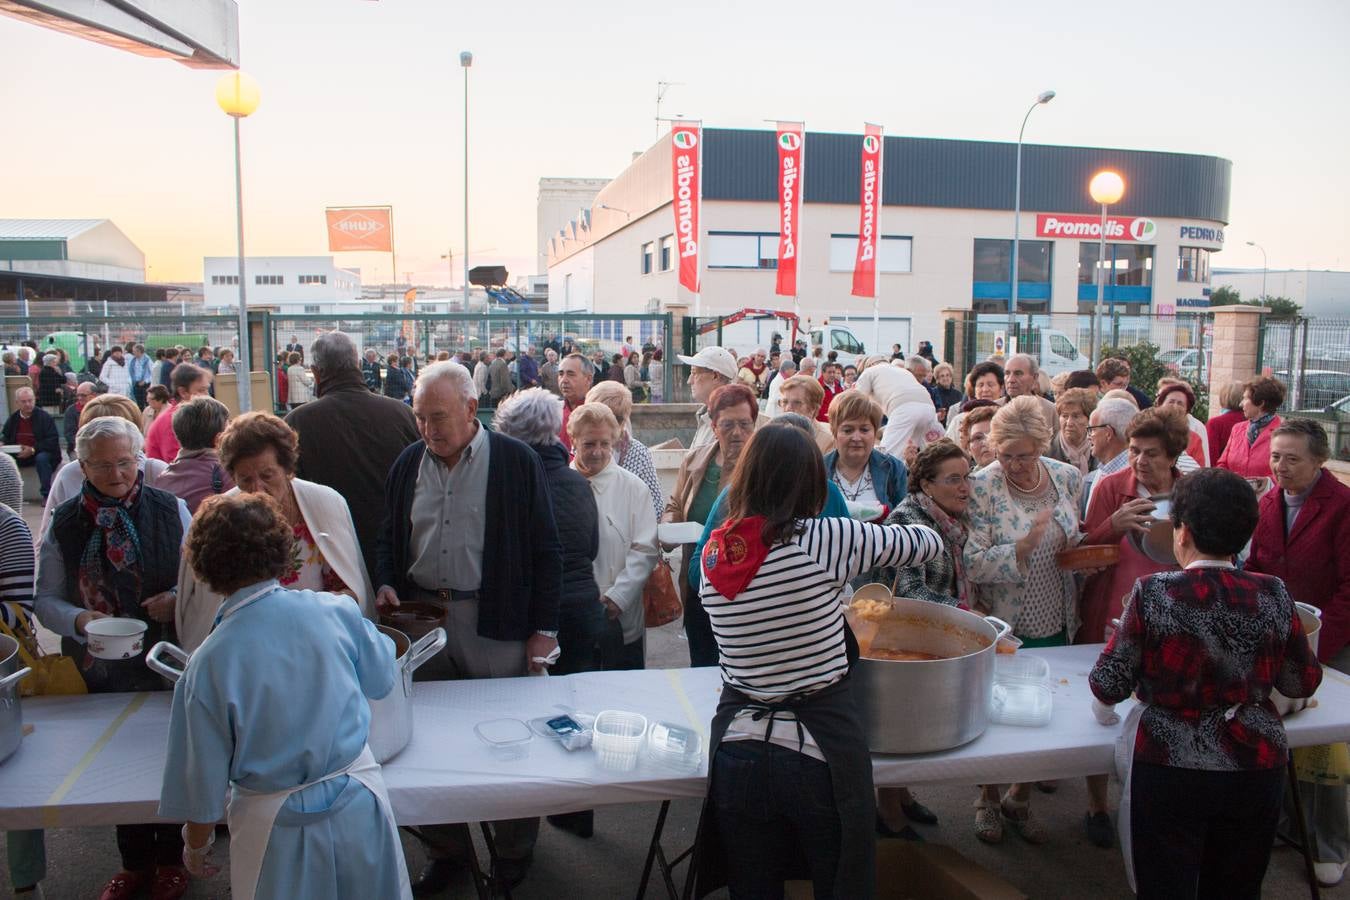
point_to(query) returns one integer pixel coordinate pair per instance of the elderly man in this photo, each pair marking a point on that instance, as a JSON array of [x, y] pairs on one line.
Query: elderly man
[[470, 530], [370, 371], [1022, 377], [1114, 375], [527, 370], [186, 382], [548, 372], [786, 369], [196, 472], [709, 369], [1106, 430], [34, 430], [114, 373], [499, 377], [575, 377], [349, 437]]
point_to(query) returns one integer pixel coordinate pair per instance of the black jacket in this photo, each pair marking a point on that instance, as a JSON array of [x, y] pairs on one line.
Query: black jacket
[[522, 560], [46, 437], [349, 438], [578, 523]]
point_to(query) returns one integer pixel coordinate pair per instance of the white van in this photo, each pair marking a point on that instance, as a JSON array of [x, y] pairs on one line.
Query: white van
[[840, 339], [1055, 352]]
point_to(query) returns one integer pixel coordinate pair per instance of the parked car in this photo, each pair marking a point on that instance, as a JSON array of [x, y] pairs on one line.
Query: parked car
[[1186, 361], [1315, 389]]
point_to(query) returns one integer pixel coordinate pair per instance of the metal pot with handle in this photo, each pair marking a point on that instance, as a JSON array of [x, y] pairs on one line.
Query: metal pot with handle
[[11, 714]]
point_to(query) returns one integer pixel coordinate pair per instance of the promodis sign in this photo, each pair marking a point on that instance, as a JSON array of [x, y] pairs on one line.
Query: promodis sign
[[789, 205], [1118, 228], [869, 202], [685, 158]]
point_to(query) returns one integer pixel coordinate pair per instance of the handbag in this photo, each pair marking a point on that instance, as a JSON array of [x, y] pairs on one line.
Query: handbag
[[53, 674], [660, 600]]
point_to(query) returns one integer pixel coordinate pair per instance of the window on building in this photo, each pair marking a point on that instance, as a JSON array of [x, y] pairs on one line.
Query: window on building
[[992, 268], [667, 252], [312, 310], [430, 308], [268, 279], [224, 279], [1193, 265], [313, 279], [742, 250], [648, 253], [1128, 273], [389, 307], [894, 253]]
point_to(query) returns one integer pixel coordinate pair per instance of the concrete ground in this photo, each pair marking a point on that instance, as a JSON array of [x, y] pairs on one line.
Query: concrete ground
[[609, 864]]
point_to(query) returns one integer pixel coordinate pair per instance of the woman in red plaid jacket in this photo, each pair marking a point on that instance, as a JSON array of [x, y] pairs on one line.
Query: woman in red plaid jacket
[[1203, 648]]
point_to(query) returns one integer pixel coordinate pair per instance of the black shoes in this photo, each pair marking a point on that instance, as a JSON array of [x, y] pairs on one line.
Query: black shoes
[[582, 824], [508, 873], [1100, 831], [435, 877], [905, 834], [919, 814]]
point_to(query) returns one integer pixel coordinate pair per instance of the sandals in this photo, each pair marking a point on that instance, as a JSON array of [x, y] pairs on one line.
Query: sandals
[[1020, 818], [988, 822]]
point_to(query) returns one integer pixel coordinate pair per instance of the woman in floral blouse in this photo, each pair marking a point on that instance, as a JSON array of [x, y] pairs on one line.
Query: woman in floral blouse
[[1023, 510]]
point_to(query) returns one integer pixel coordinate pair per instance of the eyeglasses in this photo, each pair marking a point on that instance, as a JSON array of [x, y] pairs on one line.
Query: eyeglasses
[[102, 468], [1020, 459], [1092, 428], [726, 426]]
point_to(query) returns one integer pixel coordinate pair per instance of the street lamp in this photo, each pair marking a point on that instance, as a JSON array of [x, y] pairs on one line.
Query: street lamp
[[465, 61], [1042, 99], [1106, 188], [238, 96], [1265, 267]]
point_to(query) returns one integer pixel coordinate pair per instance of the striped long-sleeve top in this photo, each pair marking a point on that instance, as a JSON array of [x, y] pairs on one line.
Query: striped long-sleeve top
[[784, 633], [16, 567]]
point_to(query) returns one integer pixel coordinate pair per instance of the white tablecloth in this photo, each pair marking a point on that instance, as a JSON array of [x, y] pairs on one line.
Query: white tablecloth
[[96, 760]]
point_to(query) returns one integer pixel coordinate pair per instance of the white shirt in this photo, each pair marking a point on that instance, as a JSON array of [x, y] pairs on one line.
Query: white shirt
[[116, 377]]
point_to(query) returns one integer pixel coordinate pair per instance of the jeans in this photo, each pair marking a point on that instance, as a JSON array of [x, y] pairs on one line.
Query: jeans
[[774, 811], [46, 465], [1200, 834], [27, 858]]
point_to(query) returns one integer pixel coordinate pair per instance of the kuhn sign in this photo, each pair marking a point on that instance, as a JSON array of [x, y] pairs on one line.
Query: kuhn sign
[[1123, 229]]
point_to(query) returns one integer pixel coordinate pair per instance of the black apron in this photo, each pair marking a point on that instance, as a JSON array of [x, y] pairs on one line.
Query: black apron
[[831, 715]]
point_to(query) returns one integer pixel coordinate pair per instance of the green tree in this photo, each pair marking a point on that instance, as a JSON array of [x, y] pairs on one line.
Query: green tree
[[1280, 307], [1224, 296], [1146, 371]]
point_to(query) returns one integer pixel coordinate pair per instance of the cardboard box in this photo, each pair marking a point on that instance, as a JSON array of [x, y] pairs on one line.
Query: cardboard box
[[907, 870]]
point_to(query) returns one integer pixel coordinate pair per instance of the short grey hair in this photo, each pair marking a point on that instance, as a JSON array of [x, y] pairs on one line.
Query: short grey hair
[[794, 420], [1319, 448], [24, 390], [915, 363], [332, 352], [198, 422], [49, 358], [809, 359], [1116, 413], [450, 372], [1031, 362], [533, 416], [106, 428], [786, 366]]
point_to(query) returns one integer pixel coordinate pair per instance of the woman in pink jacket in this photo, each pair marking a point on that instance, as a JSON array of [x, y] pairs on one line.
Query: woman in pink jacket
[[1248, 450]]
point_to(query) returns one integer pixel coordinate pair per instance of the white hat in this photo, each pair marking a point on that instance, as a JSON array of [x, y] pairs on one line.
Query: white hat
[[717, 359]]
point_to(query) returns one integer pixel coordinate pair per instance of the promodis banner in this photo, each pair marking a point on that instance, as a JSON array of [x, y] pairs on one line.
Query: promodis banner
[[791, 136], [869, 206], [1118, 228], [360, 228], [685, 171]]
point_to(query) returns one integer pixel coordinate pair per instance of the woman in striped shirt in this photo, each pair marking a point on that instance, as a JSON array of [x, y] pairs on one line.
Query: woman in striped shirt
[[790, 790]]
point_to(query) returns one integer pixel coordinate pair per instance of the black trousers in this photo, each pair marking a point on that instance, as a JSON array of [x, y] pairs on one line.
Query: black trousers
[[1201, 834], [698, 627], [146, 846]]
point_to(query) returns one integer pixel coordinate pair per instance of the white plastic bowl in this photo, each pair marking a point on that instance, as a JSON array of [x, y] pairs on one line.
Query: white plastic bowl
[[617, 738], [114, 638]]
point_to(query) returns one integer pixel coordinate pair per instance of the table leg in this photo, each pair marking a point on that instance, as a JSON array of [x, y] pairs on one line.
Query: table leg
[[653, 849], [492, 858], [1304, 845]]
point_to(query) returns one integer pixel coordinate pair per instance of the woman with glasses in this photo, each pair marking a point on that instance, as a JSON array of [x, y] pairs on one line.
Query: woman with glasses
[[1023, 510], [974, 433]]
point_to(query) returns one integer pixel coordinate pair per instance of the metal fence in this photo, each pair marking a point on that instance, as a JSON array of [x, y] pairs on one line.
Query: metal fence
[[1312, 358], [80, 336]]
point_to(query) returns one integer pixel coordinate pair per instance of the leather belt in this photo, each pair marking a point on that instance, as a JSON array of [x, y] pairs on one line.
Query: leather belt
[[447, 595]]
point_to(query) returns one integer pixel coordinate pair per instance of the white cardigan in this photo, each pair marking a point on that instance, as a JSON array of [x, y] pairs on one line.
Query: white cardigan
[[329, 522], [628, 550]]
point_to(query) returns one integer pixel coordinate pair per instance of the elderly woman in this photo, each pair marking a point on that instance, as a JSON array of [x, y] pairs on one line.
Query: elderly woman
[[1202, 649], [1247, 451], [259, 451], [69, 480], [113, 550], [802, 394], [534, 416], [300, 383], [627, 552], [946, 395], [1071, 445], [156, 401], [975, 427], [1303, 538], [1023, 510], [1178, 394], [629, 452], [196, 472], [984, 382], [866, 476], [910, 416], [703, 475], [1220, 427], [790, 789], [308, 812]]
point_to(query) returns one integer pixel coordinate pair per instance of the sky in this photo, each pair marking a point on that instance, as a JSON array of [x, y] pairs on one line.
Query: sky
[[363, 103]]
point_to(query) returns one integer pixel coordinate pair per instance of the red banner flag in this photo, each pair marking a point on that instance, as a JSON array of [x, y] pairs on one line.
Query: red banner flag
[[686, 161], [791, 137], [869, 206]]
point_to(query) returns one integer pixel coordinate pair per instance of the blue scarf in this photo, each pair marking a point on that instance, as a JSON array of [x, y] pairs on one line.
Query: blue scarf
[[1255, 425]]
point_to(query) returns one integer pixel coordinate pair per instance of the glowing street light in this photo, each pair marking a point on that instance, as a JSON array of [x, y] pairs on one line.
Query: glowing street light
[[238, 96], [1106, 188]]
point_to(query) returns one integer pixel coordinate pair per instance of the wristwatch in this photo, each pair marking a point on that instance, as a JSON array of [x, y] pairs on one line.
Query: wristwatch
[[548, 634]]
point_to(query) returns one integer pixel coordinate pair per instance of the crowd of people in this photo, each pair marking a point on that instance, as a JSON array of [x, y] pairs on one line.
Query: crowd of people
[[535, 540]]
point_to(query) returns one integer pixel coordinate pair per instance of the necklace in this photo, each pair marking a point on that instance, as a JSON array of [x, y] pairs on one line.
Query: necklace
[[1040, 478], [852, 490]]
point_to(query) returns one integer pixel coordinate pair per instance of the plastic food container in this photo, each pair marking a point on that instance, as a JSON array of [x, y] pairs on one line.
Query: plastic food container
[[572, 730], [1021, 694], [113, 638], [674, 746], [507, 738], [617, 738]]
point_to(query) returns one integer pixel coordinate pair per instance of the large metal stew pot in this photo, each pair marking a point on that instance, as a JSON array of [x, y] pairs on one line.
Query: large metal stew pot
[[920, 706], [11, 715], [391, 717]]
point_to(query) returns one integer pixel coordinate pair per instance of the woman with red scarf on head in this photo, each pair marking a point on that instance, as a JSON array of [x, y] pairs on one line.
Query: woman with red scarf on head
[[790, 788]]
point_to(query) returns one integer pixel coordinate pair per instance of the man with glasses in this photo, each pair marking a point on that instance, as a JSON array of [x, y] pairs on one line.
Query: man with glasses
[[1106, 431], [709, 369]]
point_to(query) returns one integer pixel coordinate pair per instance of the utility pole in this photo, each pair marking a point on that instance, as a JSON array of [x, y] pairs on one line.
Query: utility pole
[[661, 88]]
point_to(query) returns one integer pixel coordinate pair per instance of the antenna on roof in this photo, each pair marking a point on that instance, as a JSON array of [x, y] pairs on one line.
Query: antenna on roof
[[661, 88]]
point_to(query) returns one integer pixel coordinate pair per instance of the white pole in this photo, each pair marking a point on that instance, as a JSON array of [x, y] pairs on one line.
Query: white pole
[[245, 385], [1097, 324], [702, 247]]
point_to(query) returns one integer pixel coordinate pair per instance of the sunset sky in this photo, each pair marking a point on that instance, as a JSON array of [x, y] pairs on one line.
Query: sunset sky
[[363, 103]]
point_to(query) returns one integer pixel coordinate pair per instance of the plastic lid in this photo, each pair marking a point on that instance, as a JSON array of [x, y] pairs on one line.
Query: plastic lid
[[503, 732]]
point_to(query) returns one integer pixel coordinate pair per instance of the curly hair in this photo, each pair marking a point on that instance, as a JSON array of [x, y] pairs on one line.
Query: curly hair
[[1266, 392], [1022, 419], [237, 540], [988, 367], [1167, 424], [974, 417], [929, 460], [251, 434], [1076, 399]]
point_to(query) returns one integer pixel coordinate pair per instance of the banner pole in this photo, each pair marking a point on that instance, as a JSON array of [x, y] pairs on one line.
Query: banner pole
[[698, 271]]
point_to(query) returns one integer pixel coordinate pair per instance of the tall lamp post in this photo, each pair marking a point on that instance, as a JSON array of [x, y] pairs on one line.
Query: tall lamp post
[[1265, 267], [238, 96], [1044, 98], [1106, 188], [465, 61]]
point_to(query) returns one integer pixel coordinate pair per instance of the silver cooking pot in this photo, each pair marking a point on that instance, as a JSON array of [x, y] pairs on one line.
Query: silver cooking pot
[[11, 714], [929, 705], [391, 717]]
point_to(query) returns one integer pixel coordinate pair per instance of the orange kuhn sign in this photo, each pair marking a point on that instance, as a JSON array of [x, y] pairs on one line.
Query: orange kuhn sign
[[360, 228]]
